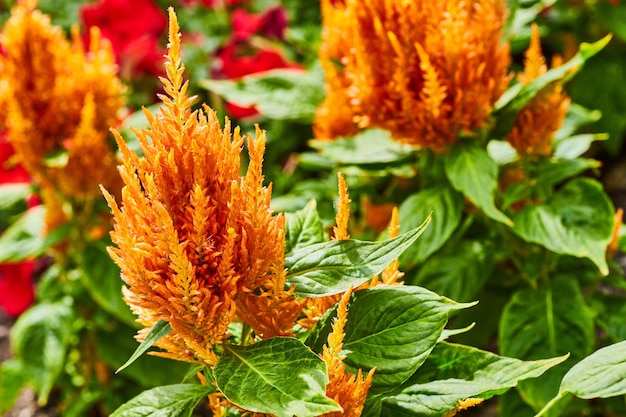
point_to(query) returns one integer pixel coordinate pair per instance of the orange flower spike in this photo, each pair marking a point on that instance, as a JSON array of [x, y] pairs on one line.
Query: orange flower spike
[[537, 122], [198, 245], [349, 390], [340, 231], [391, 274]]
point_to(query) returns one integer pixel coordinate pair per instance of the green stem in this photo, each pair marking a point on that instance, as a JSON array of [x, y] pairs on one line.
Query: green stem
[[544, 411], [246, 332]]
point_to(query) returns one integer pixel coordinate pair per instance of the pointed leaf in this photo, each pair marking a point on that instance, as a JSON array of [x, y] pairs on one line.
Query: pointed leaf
[[549, 321], [159, 330], [577, 221], [12, 380], [471, 171], [303, 228], [167, 401], [273, 93], [371, 147], [332, 267], [25, 239], [280, 376], [453, 373], [600, 375], [40, 340], [13, 193], [392, 328], [445, 204]]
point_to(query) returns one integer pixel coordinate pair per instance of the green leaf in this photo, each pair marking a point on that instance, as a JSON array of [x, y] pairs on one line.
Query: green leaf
[[392, 328], [471, 171], [25, 238], [303, 228], [453, 373], [57, 159], [40, 340], [12, 380], [332, 267], [549, 321], [280, 376], [576, 117], [446, 206], [13, 193], [158, 331], [577, 221], [600, 375], [115, 344], [574, 146], [514, 99], [501, 151], [553, 171], [458, 271], [371, 147], [273, 93], [168, 401], [102, 279]]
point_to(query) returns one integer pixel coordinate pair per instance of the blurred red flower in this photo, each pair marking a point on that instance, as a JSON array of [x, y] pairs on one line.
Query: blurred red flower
[[16, 279], [16, 287], [213, 3], [241, 57], [134, 28]]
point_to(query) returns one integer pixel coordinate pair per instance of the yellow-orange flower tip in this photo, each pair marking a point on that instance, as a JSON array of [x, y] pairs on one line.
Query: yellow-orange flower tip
[[196, 243], [340, 231]]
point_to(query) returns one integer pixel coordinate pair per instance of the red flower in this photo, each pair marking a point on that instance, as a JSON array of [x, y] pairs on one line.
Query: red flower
[[270, 24], [213, 3], [134, 28], [16, 287], [10, 172]]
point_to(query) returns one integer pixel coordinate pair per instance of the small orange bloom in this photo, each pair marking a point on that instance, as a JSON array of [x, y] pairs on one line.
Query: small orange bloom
[[349, 390], [198, 245], [536, 123], [426, 71]]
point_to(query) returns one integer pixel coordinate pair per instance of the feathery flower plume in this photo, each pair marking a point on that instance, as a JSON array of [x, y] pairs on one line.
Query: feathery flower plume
[[349, 390], [60, 100], [425, 71], [197, 245], [536, 123]]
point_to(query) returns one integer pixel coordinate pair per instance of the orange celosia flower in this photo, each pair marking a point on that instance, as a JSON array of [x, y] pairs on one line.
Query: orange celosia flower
[[59, 98], [198, 245], [536, 123], [425, 71], [349, 390]]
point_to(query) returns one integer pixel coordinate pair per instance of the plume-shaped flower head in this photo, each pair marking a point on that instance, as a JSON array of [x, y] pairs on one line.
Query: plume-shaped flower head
[[196, 243], [59, 100], [424, 70], [537, 122]]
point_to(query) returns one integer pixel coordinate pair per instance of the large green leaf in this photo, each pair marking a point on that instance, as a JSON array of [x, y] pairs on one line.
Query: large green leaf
[[40, 340], [13, 193], [332, 267], [12, 380], [280, 376], [303, 228], [167, 401], [471, 171], [458, 271], [577, 221], [280, 94], [516, 97], [453, 373], [370, 147], [446, 206], [392, 328], [600, 375], [102, 279], [158, 331], [545, 322], [26, 239]]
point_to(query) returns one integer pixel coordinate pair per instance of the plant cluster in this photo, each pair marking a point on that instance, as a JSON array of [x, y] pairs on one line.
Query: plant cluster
[[432, 235]]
